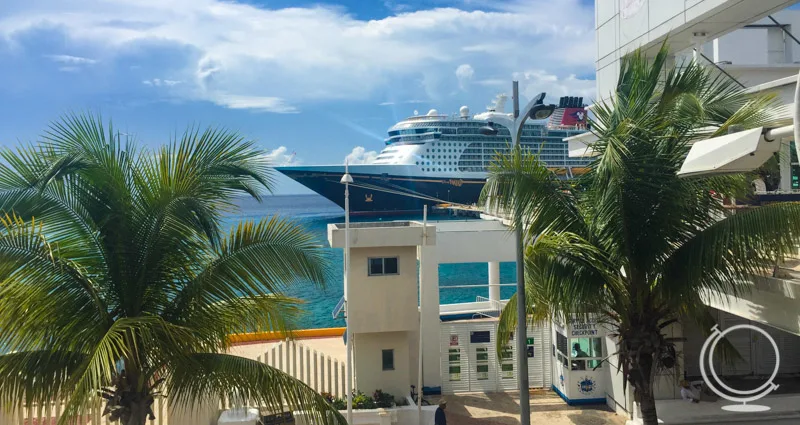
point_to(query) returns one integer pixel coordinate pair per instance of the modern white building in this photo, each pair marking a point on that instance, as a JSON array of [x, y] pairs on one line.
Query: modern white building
[[752, 42]]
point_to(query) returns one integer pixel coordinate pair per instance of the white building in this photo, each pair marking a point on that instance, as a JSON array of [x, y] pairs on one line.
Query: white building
[[458, 340], [738, 38]]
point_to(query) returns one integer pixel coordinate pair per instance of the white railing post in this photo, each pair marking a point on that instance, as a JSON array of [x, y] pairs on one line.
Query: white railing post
[[294, 360], [344, 382], [335, 390], [308, 366], [330, 389], [316, 372]]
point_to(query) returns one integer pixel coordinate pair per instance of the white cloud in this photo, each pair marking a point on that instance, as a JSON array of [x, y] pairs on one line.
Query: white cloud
[[69, 68], [386, 104], [258, 103], [281, 156], [71, 60], [159, 82], [536, 81], [241, 55], [464, 74], [359, 155]]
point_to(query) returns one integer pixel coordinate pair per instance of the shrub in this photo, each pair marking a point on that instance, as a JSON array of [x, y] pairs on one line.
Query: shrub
[[383, 399], [362, 401], [339, 403]]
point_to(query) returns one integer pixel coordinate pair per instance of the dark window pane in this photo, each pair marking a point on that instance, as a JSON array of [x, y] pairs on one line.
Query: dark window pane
[[390, 265], [561, 343], [388, 359], [376, 266], [479, 337]]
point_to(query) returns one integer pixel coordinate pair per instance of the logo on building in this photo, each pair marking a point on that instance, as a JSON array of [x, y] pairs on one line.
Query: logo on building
[[741, 396], [586, 385]]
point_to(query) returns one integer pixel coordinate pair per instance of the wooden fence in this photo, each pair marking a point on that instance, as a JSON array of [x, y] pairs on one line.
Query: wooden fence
[[50, 413], [321, 372]]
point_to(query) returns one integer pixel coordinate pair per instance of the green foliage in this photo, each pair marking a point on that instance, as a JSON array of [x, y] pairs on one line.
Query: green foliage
[[379, 399], [363, 401], [383, 399], [630, 241], [116, 277]]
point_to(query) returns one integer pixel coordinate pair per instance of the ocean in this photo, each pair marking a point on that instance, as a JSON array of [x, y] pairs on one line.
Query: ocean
[[314, 213]]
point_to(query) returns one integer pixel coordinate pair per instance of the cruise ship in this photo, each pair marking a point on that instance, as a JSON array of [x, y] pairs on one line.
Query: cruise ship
[[437, 158]]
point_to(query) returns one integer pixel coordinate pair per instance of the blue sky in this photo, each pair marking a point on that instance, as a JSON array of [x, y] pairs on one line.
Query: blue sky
[[321, 79]]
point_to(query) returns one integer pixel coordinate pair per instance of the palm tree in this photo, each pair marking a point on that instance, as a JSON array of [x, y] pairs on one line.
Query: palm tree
[[117, 280], [630, 241]]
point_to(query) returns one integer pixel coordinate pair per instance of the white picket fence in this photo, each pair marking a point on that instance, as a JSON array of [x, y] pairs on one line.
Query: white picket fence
[[50, 413], [317, 370]]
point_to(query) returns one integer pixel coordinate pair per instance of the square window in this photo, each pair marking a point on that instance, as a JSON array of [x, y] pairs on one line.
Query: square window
[[387, 359], [382, 266], [482, 372], [390, 265], [376, 266]]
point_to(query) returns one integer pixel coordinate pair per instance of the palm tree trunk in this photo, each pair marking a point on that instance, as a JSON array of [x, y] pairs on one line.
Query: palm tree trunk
[[647, 402], [139, 411]]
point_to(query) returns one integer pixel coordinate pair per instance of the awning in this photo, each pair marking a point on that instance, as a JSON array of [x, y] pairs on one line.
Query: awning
[[580, 146], [739, 152]]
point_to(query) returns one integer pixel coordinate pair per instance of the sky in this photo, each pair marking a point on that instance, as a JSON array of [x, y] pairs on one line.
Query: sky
[[311, 82]]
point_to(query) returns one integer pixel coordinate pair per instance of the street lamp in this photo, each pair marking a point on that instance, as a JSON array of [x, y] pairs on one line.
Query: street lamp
[[535, 109], [346, 180]]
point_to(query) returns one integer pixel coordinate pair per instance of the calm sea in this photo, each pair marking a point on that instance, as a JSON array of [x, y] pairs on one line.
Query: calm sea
[[314, 212]]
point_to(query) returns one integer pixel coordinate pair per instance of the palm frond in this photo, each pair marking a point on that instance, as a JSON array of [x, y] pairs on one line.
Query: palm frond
[[247, 382], [520, 183], [723, 257]]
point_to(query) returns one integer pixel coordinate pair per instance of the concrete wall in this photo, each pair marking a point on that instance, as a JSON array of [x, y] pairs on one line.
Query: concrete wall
[[383, 303], [618, 400], [429, 313], [370, 375], [624, 25], [478, 246]]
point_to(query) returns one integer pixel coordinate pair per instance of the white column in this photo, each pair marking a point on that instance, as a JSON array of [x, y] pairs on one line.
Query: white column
[[494, 281], [431, 327], [785, 163]]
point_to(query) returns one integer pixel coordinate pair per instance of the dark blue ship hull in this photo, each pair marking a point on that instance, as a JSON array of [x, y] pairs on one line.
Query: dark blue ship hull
[[388, 194]]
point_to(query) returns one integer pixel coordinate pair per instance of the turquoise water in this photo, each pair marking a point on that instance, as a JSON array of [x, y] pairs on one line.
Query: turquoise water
[[314, 212]]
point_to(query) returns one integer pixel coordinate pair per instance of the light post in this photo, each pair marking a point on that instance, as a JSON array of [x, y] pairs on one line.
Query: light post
[[535, 109], [346, 180]]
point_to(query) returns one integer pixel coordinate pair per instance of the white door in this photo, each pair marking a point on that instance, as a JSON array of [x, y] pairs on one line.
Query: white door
[[482, 361], [539, 355], [455, 361], [507, 373]]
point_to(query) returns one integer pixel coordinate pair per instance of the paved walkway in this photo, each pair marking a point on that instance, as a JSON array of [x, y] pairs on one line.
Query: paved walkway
[[503, 408]]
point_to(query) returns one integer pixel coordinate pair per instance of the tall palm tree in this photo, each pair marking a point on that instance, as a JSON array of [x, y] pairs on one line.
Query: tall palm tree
[[118, 281], [630, 241]]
